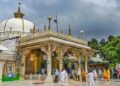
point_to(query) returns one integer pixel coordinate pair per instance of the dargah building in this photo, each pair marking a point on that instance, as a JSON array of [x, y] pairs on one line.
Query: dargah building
[[30, 50]]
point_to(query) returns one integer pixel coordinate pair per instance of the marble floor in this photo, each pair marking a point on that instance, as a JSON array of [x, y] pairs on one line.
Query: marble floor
[[70, 83]]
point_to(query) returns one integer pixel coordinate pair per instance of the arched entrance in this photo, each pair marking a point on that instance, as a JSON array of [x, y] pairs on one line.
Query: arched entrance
[[35, 60], [70, 62]]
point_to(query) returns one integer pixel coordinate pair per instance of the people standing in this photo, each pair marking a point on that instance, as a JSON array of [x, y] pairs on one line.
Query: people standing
[[79, 73], [105, 74], [108, 74], [118, 73], [75, 74], [56, 75], [43, 71], [83, 76], [115, 73], [100, 73], [91, 77], [95, 74], [62, 76]]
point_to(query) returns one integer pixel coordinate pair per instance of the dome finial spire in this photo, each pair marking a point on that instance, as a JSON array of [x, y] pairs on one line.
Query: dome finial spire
[[19, 7], [19, 14]]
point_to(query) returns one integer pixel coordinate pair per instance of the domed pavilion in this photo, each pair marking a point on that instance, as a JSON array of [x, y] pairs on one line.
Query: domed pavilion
[[10, 30], [37, 54]]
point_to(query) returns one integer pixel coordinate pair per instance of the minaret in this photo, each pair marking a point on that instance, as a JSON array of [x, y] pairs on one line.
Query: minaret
[[19, 14], [49, 20]]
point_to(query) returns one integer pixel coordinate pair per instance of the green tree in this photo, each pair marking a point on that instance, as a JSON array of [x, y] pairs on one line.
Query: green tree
[[102, 42], [93, 43], [111, 50], [110, 38]]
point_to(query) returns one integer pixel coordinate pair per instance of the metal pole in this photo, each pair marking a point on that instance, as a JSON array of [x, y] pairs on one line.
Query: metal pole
[[49, 20]]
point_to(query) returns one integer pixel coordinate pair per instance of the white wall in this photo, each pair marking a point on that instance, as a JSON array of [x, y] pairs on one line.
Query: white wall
[[10, 43]]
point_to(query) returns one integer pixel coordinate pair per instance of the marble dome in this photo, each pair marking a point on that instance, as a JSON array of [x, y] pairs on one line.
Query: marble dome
[[16, 24]]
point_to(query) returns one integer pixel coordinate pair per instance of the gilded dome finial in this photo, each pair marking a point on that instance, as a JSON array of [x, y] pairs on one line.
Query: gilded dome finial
[[19, 7], [19, 14]]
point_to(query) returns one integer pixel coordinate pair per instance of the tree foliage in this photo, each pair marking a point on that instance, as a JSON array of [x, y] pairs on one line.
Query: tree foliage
[[110, 48], [93, 43]]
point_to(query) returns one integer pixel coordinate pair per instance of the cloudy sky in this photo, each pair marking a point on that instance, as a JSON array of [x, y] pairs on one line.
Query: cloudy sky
[[97, 18]]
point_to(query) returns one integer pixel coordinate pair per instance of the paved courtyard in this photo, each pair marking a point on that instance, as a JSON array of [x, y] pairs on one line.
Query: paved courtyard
[[30, 83]]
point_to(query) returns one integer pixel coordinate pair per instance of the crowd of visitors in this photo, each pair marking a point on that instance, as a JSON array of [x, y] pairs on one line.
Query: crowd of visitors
[[93, 74], [61, 76], [116, 73]]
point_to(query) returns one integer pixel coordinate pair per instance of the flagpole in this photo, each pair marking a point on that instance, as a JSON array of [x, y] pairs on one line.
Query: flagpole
[[56, 22]]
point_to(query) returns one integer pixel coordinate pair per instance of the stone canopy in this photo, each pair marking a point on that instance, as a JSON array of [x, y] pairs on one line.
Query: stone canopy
[[50, 42]]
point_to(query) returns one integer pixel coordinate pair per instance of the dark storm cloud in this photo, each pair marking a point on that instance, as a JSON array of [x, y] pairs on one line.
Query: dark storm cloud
[[98, 18]]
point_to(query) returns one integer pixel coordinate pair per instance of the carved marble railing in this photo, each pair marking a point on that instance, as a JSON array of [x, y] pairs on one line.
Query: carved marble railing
[[34, 77], [52, 34]]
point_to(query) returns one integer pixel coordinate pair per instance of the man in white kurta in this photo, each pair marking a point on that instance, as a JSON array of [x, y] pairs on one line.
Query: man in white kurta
[[95, 73], [91, 77], [63, 77]]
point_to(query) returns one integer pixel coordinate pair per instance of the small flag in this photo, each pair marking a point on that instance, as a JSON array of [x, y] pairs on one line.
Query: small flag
[[55, 20]]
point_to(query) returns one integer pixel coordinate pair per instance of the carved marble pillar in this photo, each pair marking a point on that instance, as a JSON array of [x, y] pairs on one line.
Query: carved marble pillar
[[80, 67], [60, 64], [60, 58], [79, 62], [49, 78], [49, 68], [61, 50], [25, 52], [86, 64], [22, 66]]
